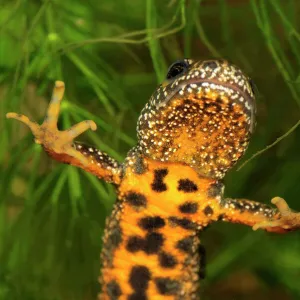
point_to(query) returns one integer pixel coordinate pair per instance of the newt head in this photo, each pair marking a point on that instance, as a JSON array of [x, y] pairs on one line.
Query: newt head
[[202, 115]]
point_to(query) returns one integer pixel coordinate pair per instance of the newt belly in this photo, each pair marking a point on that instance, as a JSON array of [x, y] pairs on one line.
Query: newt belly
[[152, 249]]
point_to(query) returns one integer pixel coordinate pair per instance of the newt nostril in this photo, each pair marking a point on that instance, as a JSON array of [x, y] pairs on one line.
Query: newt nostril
[[210, 64]]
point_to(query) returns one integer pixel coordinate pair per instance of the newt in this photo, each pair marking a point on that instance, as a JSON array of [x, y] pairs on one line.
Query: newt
[[195, 127]]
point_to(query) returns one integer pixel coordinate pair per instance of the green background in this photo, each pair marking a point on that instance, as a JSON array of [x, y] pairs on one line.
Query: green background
[[112, 55]]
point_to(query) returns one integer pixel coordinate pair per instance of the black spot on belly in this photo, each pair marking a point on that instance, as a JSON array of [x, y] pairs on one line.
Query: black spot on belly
[[183, 223], [167, 286], [221, 217], [158, 185], [151, 223], [215, 189], [202, 255], [135, 243], [139, 278], [136, 199], [153, 242], [186, 244], [187, 186], [208, 211], [189, 207], [113, 290], [167, 260], [138, 296]]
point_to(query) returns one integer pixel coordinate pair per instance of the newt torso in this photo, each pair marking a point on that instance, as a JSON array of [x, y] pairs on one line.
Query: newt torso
[[152, 249]]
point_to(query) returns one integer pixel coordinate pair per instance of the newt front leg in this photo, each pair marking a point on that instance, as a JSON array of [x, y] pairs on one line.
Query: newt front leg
[[287, 220], [259, 215], [60, 144]]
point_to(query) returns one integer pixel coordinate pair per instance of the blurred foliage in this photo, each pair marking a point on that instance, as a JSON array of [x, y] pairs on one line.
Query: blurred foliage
[[112, 54]]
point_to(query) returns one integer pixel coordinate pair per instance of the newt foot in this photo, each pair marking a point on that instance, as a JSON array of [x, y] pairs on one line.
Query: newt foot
[[288, 219], [47, 134]]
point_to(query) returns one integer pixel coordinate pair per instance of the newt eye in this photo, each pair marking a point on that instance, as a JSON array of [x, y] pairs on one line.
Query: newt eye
[[177, 68]]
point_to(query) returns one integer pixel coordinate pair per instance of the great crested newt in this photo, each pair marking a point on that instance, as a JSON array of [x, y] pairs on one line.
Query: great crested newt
[[195, 127]]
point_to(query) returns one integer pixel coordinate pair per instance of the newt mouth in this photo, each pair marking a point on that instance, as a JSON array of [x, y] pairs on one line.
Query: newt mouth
[[232, 91]]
